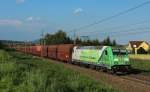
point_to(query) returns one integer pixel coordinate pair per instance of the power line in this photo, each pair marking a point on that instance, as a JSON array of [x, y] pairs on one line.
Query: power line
[[118, 32], [118, 27], [113, 16], [132, 31]]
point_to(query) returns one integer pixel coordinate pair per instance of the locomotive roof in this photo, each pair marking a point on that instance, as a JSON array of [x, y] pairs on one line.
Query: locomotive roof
[[90, 47], [119, 48]]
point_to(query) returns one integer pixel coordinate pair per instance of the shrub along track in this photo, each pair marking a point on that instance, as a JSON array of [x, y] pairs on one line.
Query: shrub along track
[[123, 83]]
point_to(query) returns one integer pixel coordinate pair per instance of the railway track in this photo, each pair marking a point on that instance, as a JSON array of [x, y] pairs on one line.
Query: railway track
[[133, 77], [126, 83], [136, 79]]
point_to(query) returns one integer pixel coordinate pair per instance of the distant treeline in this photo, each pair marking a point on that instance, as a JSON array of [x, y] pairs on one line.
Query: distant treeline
[[2, 45], [61, 37]]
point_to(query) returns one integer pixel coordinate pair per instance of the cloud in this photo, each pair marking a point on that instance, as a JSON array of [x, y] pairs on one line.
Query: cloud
[[20, 1], [10, 22], [78, 11], [38, 18], [31, 18]]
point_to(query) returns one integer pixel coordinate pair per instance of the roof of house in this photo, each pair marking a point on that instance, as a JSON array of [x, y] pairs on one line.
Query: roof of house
[[137, 43]]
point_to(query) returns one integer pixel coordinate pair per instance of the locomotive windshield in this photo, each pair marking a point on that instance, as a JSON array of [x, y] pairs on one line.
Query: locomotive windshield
[[119, 51]]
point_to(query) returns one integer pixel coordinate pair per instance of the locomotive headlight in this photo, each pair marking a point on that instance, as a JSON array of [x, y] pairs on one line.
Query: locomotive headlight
[[116, 59], [126, 59]]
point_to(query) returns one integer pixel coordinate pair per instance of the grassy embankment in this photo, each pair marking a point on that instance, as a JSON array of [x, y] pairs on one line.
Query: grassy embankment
[[24, 73], [141, 62]]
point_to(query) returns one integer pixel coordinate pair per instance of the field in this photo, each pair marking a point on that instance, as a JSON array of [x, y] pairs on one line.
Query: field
[[145, 57], [142, 66], [25, 73], [141, 62]]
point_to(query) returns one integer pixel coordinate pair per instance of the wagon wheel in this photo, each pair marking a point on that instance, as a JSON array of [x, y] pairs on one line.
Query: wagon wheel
[[104, 69], [112, 71]]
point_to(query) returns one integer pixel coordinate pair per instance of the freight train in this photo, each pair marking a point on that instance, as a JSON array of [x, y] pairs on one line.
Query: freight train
[[105, 58]]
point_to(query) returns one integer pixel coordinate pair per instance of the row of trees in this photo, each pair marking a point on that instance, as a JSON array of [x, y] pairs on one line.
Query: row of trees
[[106, 41], [61, 37]]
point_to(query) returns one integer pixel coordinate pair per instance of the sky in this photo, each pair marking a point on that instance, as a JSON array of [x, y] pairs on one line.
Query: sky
[[24, 20]]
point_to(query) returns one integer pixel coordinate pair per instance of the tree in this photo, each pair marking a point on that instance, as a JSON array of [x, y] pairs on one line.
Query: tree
[[114, 43], [107, 41], [78, 40], [59, 37], [1, 45], [96, 42]]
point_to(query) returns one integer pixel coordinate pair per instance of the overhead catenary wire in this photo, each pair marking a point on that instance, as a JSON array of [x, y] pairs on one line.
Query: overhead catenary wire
[[115, 29], [130, 33], [111, 17], [136, 30], [125, 32], [119, 31]]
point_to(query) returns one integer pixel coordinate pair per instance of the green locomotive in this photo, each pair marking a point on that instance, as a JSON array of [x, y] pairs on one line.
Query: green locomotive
[[105, 57]]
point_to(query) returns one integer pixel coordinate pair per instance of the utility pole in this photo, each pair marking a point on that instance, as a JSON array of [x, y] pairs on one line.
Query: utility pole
[[42, 42], [25, 43], [42, 34], [75, 37]]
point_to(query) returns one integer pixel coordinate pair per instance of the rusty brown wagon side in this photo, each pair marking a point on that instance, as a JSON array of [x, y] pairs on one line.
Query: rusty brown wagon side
[[32, 50], [36, 50], [28, 49], [44, 51], [22, 49], [64, 52], [52, 51]]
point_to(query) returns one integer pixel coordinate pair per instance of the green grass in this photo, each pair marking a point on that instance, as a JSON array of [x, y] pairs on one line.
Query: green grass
[[143, 66], [4, 56], [140, 62], [25, 73]]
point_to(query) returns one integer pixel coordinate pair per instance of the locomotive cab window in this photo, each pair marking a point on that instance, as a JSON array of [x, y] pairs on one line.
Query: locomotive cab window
[[119, 52], [106, 53]]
